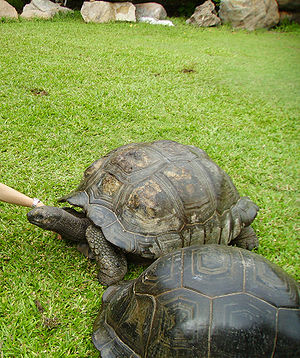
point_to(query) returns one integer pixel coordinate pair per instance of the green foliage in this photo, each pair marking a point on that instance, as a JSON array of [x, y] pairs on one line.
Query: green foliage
[[184, 7], [183, 10], [7, 19], [70, 92], [180, 8], [287, 26]]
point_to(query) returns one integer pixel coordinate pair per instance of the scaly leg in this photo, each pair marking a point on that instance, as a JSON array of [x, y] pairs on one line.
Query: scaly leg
[[111, 260]]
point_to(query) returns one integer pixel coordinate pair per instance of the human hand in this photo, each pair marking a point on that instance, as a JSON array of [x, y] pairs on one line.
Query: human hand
[[36, 203]]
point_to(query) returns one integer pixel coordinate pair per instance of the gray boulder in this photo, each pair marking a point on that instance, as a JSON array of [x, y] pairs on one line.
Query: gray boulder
[[249, 14], [152, 21], [205, 15], [103, 11], [150, 9], [44, 9], [6, 10], [124, 11], [97, 11]]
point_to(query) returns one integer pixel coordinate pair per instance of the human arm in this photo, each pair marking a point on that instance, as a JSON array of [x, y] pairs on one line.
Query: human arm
[[12, 196]]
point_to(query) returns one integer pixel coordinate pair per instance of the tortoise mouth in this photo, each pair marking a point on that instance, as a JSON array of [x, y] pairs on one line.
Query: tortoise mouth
[[34, 219]]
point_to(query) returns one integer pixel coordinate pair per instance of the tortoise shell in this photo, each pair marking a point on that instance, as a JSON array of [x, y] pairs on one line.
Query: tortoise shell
[[202, 301], [152, 198]]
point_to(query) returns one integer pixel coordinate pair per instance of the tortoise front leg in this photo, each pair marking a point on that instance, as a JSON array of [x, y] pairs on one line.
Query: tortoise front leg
[[247, 239], [111, 260]]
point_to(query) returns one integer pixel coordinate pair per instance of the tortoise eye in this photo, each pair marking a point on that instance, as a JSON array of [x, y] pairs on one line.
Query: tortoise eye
[[39, 217]]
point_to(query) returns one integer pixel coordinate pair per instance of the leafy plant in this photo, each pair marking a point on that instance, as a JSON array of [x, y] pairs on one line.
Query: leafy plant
[[287, 26]]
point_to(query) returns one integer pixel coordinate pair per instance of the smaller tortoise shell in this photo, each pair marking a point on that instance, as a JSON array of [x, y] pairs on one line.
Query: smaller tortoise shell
[[202, 301], [152, 198]]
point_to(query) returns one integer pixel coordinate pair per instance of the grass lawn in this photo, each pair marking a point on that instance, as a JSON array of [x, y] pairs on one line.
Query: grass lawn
[[70, 92]]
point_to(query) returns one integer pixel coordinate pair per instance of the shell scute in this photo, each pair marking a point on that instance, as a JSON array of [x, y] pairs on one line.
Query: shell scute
[[164, 276], [249, 321], [215, 273], [269, 282], [146, 209], [168, 338], [289, 325]]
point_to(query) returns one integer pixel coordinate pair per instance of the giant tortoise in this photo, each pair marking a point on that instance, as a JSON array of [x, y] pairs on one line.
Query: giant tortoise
[[207, 301], [148, 199]]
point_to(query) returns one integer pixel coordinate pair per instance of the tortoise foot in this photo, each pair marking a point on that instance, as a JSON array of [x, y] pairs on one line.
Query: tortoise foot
[[246, 240]]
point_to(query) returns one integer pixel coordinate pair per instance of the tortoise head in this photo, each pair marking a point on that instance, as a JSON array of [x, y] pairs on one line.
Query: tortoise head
[[46, 217], [64, 221]]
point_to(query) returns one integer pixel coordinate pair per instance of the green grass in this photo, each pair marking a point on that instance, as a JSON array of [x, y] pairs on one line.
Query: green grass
[[235, 94]]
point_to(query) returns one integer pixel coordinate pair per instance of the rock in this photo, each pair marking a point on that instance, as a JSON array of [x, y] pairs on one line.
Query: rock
[[103, 11], [124, 11], [44, 9], [205, 15], [152, 21], [249, 14], [289, 5], [150, 9], [6, 10], [97, 11]]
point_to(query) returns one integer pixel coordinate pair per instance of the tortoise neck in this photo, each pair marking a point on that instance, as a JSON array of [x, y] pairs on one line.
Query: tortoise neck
[[71, 227]]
